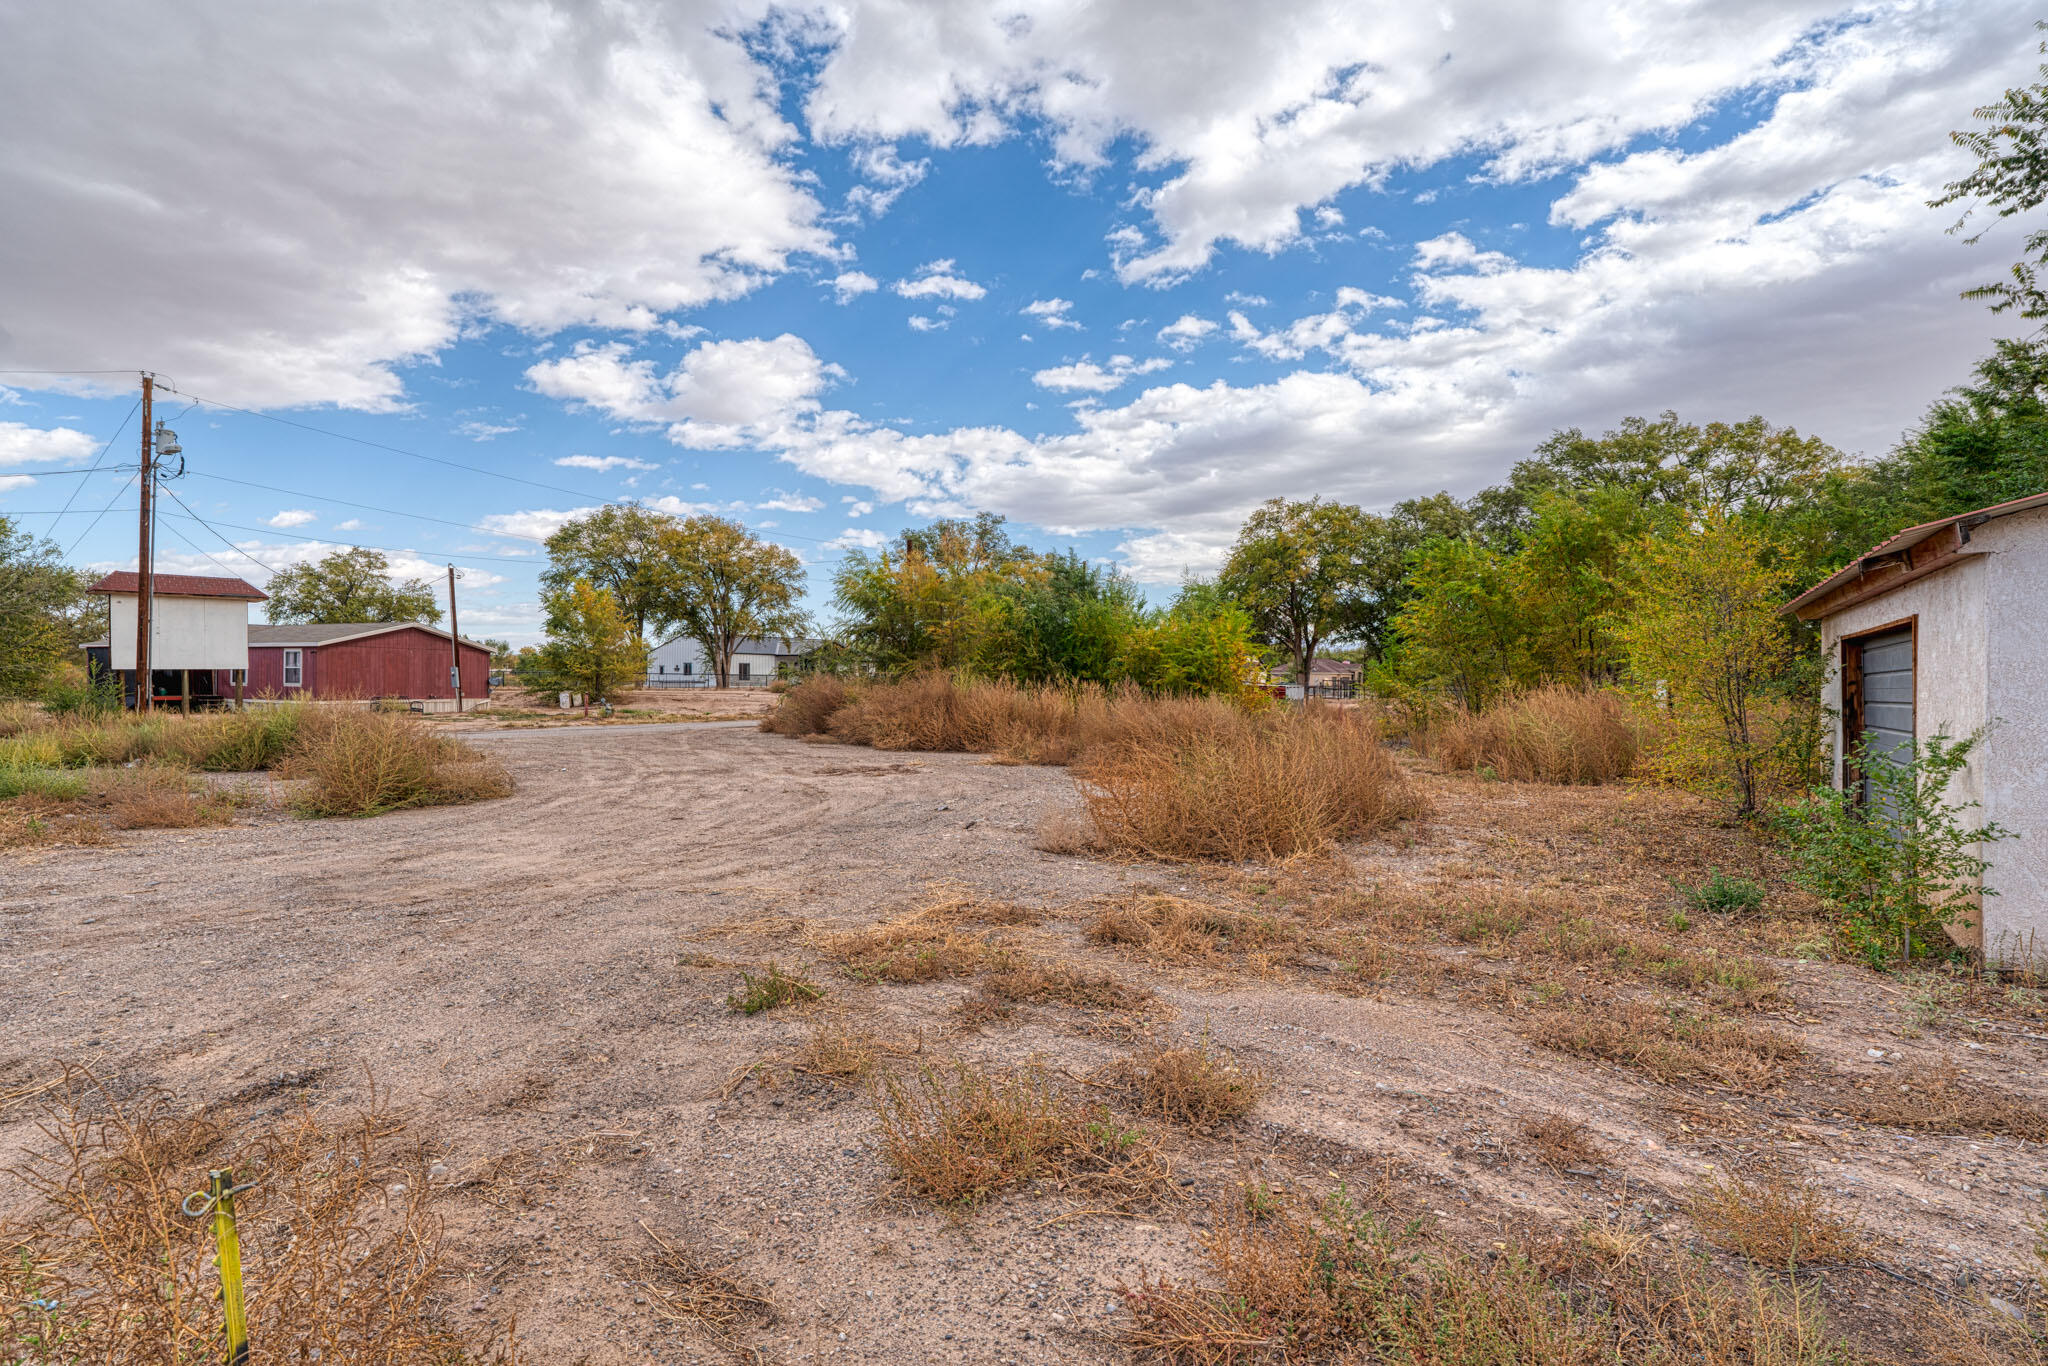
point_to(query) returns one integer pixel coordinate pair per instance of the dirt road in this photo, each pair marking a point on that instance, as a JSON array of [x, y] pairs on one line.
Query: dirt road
[[523, 975]]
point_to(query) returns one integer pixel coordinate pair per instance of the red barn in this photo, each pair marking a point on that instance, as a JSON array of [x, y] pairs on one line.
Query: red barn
[[363, 659]]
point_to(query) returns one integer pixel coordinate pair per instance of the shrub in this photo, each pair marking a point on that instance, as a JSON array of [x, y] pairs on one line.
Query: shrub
[[1267, 789], [771, 990], [159, 796], [361, 763], [1773, 1220], [806, 707], [1721, 894], [1901, 865], [96, 696], [1550, 735], [1196, 1084], [959, 1136]]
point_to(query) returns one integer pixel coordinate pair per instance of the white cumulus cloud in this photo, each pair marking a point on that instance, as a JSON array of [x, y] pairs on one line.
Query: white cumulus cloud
[[937, 280], [603, 464]]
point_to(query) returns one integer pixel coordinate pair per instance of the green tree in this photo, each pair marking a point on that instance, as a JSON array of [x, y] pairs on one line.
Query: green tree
[[591, 645], [1390, 543], [1298, 569], [1752, 467], [349, 586], [723, 584], [2011, 177], [41, 609], [625, 549], [1706, 644], [501, 652]]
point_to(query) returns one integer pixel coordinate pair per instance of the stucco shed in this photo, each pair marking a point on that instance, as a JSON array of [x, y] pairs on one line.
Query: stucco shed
[[1945, 627]]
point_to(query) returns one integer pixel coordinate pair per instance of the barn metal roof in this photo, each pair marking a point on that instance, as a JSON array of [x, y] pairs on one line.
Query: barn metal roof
[[1886, 552], [308, 634], [180, 586]]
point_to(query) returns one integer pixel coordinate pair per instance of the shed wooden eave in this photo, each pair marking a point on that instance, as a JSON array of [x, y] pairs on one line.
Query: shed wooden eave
[[1897, 561]]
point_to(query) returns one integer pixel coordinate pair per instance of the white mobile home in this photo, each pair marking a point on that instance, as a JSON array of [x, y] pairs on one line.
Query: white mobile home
[[1945, 627], [680, 662]]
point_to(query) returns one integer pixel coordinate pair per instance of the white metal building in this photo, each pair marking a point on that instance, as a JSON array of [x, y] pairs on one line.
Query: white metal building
[[198, 633], [1945, 627]]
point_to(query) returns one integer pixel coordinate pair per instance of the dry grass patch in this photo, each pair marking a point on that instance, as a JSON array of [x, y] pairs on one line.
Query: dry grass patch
[[363, 763], [1276, 786], [1162, 928], [1199, 1084], [1774, 1220], [959, 1136], [684, 1287], [1559, 1142], [1942, 1100], [160, 796], [926, 945], [1550, 735], [1292, 1282], [1670, 1045], [848, 1055], [340, 1250]]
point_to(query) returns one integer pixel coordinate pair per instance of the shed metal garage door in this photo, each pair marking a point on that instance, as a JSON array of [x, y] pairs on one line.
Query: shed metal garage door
[[1887, 710]]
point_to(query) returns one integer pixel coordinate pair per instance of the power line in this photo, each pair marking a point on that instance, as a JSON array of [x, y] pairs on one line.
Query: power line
[[210, 527], [107, 446], [96, 519], [395, 450], [370, 507], [208, 555], [324, 540]]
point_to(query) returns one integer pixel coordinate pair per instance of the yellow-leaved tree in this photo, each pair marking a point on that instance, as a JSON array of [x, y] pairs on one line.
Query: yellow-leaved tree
[[592, 647], [1707, 649]]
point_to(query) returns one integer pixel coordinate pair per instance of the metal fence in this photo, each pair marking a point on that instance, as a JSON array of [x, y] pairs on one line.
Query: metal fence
[[703, 681]]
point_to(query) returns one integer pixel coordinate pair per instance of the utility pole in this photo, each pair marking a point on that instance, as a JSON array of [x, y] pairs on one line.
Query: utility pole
[[145, 577], [454, 643]]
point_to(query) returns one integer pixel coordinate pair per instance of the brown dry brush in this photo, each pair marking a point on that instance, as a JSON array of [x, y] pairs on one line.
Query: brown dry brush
[[1198, 1084], [339, 1264], [1942, 1100], [960, 1135], [1160, 777], [364, 763], [1304, 1282], [1294, 782], [1670, 1044], [1774, 1219], [1548, 735]]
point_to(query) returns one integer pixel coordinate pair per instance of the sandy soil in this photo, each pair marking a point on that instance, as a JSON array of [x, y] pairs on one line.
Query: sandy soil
[[548, 975]]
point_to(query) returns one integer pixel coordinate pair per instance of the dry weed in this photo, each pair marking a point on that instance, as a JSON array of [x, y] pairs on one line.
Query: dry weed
[[1560, 1141], [1162, 928], [849, 1055], [340, 1252], [1942, 1100], [683, 1287], [159, 796], [1550, 735], [1298, 1283], [1198, 1084], [805, 708], [1064, 830], [1670, 1045], [1774, 1220], [1272, 787], [364, 763], [959, 1136]]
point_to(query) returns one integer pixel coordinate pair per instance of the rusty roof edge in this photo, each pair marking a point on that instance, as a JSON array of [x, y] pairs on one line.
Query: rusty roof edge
[[1898, 541]]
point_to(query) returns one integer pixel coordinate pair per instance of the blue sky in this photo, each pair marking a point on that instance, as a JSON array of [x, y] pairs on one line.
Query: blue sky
[[1117, 273]]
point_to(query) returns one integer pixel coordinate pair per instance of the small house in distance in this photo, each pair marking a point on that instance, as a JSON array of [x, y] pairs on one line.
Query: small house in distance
[[1945, 627], [364, 660], [680, 662], [198, 636]]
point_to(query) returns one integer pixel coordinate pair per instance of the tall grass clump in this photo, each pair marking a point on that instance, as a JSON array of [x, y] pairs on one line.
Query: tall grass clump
[[1267, 787], [361, 763], [1549, 735]]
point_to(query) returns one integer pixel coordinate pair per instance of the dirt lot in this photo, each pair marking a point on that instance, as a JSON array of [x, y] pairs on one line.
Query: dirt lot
[[545, 979], [514, 709]]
